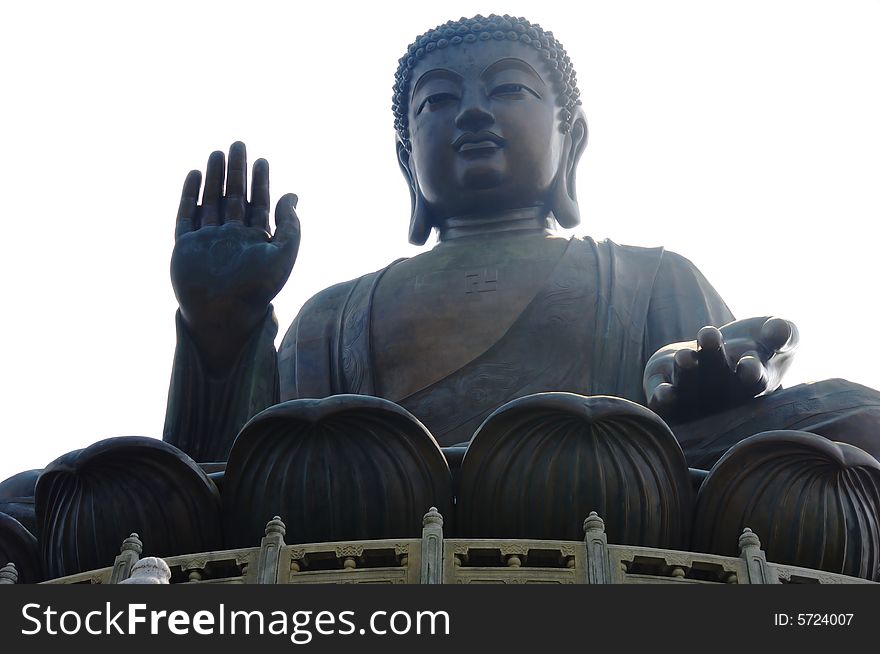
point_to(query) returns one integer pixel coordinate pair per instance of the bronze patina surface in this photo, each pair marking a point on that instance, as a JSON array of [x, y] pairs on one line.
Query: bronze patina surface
[[490, 130]]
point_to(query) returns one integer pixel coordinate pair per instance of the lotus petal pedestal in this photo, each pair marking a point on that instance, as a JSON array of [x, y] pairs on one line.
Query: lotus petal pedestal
[[540, 463], [815, 502], [348, 467], [88, 501]]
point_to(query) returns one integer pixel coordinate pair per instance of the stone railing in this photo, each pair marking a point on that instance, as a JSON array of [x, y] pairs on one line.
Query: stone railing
[[432, 559]]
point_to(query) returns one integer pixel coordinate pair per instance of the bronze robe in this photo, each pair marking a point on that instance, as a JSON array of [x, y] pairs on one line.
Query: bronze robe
[[604, 310]]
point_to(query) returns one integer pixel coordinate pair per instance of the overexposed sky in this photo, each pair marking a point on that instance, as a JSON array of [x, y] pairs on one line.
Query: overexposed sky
[[743, 135]]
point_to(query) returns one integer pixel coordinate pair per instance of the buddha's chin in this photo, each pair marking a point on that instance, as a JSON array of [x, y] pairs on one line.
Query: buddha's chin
[[481, 176]]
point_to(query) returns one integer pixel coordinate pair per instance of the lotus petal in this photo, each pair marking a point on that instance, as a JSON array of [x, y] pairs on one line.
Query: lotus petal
[[538, 465], [347, 467], [88, 501], [814, 503]]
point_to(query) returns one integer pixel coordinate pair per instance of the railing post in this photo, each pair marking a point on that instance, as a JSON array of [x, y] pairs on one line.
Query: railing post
[[757, 570], [432, 548], [8, 574], [270, 552], [598, 566], [129, 553]]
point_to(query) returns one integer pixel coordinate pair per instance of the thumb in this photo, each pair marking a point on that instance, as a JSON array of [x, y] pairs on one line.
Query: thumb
[[779, 335], [287, 228]]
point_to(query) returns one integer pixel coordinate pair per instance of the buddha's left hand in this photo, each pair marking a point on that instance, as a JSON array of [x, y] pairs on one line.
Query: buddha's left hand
[[722, 368]]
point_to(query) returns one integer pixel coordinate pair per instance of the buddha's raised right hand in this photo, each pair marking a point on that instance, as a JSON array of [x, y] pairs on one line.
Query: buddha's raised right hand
[[226, 268]]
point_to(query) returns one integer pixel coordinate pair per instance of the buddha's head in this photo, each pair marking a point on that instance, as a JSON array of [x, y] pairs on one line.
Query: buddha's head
[[488, 121]]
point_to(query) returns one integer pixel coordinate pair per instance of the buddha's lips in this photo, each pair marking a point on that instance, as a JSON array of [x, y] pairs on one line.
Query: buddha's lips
[[479, 145], [478, 141]]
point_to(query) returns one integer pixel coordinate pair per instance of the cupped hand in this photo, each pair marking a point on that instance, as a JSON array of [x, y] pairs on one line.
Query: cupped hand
[[724, 367]]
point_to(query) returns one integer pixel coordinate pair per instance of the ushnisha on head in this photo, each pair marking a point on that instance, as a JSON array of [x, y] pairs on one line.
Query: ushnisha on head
[[488, 120]]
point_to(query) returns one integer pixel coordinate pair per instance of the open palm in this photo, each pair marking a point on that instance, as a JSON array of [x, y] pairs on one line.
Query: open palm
[[226, 267]]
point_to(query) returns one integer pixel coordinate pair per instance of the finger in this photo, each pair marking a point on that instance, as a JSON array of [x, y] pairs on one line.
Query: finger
[[685, 368], [213, 188], [652, 382], [751, 374], [776, 334], [663, 399], [287, 230], [711, 351], [236, 184], [189, 203], [259, 207], [709, 338]]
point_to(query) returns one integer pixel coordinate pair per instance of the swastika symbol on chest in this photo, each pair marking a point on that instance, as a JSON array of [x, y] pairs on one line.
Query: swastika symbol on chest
[[481, 281]]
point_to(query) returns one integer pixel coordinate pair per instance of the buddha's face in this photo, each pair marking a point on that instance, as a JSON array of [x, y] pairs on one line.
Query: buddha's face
[[485, 128]]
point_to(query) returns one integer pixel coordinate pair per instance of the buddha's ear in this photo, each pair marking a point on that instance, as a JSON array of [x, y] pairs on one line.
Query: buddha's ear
[[564, 198], [419, 221]]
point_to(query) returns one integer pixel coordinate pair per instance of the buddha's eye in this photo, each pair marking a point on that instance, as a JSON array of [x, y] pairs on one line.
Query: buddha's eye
[[512, 90], [435, 99]]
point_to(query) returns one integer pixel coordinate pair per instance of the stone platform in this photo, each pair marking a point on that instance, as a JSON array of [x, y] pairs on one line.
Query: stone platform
[[433, 559]]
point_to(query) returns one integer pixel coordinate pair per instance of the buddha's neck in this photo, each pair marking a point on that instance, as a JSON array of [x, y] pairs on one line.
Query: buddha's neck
[[536, 220]]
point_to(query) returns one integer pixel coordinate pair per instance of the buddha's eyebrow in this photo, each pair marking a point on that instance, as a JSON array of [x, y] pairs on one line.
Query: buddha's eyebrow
[[510, 62], [436, 73]]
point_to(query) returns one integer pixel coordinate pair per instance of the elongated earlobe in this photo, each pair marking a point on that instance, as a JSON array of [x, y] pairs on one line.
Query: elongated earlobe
[[564, 198], [420, 223]]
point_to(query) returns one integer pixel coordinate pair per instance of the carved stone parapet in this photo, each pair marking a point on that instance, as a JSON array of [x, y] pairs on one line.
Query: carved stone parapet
[[598, 564], [129, 554], [514, 561], [519, 549], [461, 551], [198, 563], [276, 526], [349, 551], [270, 551], [401, 549], [789, 574], [298, 553], [297, 559], [487, 564], [432, 547], [756, 561]]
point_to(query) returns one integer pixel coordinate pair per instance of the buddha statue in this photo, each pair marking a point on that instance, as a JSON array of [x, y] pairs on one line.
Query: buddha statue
[[490, 129], [501, 323]]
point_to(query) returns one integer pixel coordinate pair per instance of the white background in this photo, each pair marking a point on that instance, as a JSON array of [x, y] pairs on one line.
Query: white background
[[744, 135]]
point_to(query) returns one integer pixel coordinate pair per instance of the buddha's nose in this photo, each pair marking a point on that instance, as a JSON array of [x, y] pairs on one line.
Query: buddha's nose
[[475, 114]]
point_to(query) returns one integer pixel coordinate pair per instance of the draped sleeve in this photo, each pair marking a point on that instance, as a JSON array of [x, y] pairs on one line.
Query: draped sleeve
[[205, 412]]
